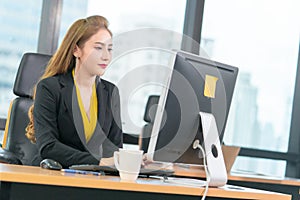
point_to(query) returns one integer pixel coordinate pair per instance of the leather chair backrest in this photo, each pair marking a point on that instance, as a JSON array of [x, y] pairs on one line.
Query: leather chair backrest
[[16, 141], [30, 70], [149, 117]]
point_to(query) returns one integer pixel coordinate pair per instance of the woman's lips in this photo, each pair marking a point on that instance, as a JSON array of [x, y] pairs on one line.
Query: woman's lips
[[103, 66]]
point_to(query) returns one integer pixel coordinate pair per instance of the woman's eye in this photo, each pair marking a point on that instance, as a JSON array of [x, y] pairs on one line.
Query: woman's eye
[[98, 48], [110, 49]]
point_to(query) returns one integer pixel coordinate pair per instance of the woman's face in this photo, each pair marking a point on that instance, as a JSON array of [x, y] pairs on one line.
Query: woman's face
[[96, 53]]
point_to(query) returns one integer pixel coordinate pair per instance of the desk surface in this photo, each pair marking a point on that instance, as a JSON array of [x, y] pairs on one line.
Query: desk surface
[[196, 171], [36, 175]]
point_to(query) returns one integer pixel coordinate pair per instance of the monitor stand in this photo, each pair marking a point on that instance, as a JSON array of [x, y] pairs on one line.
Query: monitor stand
[[213, 152]]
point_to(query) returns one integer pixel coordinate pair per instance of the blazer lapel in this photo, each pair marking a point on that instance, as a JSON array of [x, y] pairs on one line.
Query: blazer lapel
[[102, 96], [95, 143], [67, 84], [69, 98]]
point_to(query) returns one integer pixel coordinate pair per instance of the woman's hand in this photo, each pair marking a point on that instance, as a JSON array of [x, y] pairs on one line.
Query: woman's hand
[[145, 161], [110, 161], [107, 161]]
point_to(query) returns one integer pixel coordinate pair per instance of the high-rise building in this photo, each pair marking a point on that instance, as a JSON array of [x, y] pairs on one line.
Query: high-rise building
[[20, 22], [19, 34]]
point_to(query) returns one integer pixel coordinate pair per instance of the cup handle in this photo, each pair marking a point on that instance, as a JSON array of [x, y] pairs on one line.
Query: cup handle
[[116, 159]]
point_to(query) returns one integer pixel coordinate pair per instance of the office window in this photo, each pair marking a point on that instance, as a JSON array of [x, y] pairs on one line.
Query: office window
[[20, 21], [262, 39], [143, 31]]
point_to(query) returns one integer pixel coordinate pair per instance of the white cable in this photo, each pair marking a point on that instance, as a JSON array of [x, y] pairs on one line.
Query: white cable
[[197, 145], [206, 183]]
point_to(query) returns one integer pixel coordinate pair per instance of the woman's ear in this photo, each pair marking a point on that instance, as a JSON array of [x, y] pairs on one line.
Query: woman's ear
[[77, 52]]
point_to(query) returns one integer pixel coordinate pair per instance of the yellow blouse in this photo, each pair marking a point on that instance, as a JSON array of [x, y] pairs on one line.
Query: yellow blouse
[[89, 125]]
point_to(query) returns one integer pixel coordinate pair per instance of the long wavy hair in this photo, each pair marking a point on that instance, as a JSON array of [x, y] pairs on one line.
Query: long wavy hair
[[63, 59]]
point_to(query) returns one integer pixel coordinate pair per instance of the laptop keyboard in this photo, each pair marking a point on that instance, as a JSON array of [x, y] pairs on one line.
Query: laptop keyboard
[[148, 170]]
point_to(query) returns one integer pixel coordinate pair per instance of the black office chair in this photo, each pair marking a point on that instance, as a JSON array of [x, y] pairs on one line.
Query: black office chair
[[149, 117], [16, 148], [2, 124]]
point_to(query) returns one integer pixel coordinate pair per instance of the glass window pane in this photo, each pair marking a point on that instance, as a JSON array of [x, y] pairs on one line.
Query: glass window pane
[[259, 167], [20, 22], [143, 32], [262, 39]]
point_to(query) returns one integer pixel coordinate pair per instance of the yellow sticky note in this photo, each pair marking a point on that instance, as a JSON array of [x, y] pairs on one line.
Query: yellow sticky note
[[210, 86]]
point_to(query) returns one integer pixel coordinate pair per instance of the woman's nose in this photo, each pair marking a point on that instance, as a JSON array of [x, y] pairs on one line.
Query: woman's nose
[[105, 55]]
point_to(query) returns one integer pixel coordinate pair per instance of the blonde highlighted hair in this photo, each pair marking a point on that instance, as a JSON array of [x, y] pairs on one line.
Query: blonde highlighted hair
[[63, 59]]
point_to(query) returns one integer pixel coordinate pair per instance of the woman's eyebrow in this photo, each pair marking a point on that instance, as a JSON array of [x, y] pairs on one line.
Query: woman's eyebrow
[[101, 43]]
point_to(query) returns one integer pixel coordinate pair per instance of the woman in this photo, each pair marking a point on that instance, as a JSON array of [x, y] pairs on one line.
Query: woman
[[75, 118]]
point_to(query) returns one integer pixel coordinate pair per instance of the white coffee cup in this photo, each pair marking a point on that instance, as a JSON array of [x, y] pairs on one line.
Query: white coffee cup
[[128, 163]]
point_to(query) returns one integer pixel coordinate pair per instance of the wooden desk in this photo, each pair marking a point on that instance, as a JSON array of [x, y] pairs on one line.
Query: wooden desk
[[284, 185], [24, 182]]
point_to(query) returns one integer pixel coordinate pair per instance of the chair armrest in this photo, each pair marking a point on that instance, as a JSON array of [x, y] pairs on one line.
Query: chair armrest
[[9, 157]]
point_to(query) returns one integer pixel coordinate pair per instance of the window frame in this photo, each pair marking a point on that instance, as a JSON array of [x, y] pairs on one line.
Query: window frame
[[293, 168], [49, 26]]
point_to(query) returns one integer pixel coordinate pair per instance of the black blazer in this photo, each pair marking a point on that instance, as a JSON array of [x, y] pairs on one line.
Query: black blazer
[[59, 128]]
